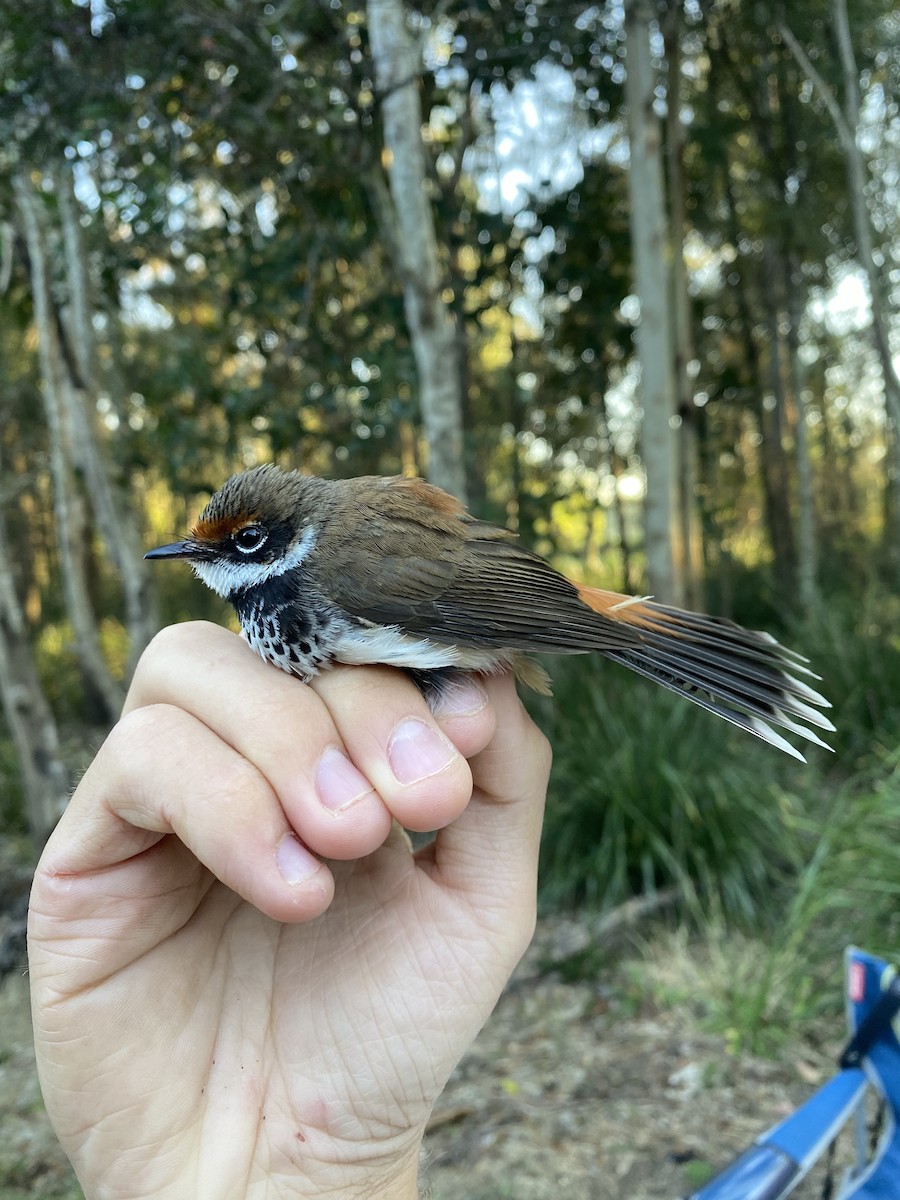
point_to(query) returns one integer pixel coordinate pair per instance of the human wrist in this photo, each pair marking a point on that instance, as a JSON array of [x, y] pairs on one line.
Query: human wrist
[[382, 1179], [401, 1183], [389, 1176]]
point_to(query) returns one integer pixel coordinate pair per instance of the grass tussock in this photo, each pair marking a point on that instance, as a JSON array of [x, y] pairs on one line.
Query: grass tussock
[[780, 865], [648, 791]]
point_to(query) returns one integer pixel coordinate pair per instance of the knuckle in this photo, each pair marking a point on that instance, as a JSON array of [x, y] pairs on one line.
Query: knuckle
[[166, 640], [157, 652], [176, 641], [138, 733], [237, 783]]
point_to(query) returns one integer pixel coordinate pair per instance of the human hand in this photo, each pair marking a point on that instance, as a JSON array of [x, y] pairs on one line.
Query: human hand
[[219, 1013]]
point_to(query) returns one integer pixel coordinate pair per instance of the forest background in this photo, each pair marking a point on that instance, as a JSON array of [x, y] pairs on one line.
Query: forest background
[[625, 277]]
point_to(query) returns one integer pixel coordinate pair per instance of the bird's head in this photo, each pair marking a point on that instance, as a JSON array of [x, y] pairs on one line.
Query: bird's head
[[257, 526]]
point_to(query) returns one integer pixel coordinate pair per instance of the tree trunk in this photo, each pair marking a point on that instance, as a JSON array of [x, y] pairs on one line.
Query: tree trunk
[[398, 65], [773, 429], [112, 510], [691, 532], [476, 486], [654, 338], [69, 507], [31, 723], [807, 550], [773, 469]]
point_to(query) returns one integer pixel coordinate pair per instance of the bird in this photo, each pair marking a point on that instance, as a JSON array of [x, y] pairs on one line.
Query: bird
[[393, 570]]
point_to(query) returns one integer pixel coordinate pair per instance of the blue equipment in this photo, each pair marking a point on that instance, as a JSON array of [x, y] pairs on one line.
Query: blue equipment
[[777, 1161]]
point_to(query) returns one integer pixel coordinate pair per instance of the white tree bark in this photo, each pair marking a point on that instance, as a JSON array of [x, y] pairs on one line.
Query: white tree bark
[[113, 513], [690, 546], [398, 65], [69, 507], [649, 243]]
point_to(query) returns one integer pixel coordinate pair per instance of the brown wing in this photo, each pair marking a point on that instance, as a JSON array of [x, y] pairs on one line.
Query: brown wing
[[422, 563]]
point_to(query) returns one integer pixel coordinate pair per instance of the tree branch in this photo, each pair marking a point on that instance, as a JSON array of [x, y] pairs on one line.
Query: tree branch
[[826, 95]]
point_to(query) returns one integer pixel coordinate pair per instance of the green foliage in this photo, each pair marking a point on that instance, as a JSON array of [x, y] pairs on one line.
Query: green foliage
[[782, 865], [780, 979], [765, 982], [849, 890], [698, 1172], [647, 792], [853, 640]]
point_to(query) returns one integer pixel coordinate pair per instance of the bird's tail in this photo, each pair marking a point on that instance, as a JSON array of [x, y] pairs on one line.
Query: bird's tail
[[744, 676]]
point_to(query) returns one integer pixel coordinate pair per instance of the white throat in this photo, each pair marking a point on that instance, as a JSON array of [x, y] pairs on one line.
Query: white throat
[[226, 576]]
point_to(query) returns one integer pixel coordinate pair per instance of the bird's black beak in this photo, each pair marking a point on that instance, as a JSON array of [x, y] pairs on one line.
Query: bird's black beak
[[176, 550]]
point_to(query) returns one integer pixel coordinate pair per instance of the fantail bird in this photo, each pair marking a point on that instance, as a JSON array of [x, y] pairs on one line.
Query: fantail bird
[[395, 571]]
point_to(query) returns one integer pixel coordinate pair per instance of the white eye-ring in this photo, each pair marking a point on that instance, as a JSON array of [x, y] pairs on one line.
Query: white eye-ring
[[250, 539]]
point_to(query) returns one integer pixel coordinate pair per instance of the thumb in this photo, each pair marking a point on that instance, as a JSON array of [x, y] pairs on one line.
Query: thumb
[[490, 853]]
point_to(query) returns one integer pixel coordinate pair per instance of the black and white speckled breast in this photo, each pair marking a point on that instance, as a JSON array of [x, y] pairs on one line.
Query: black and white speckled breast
[[287, 633]]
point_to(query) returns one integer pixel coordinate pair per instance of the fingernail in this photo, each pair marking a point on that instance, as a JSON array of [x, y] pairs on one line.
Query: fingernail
[[460, 697], [338, 782], [294, 861], [416, 751]]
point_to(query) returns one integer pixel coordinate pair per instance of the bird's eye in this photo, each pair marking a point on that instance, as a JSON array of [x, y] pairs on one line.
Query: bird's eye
[[250, 539]]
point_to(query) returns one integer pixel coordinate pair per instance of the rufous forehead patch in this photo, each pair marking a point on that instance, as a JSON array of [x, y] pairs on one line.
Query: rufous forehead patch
[[218, 529]]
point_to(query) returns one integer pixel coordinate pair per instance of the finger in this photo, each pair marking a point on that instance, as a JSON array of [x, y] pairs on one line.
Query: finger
[[112, 862], [274, 721], [344, 756], [490, 854], [414, 758]]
